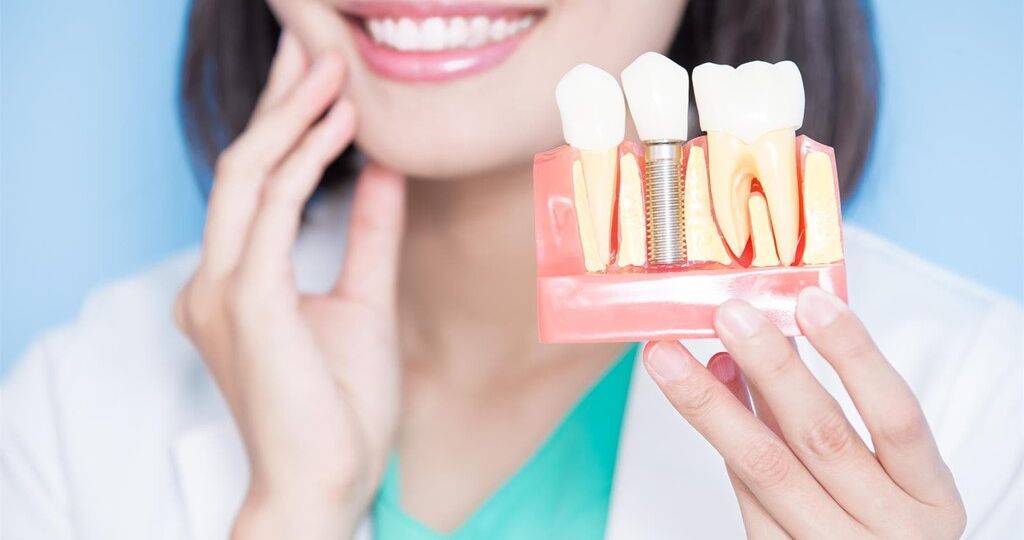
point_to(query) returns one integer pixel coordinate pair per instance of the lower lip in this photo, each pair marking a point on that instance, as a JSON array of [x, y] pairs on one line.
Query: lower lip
[[434, 66]]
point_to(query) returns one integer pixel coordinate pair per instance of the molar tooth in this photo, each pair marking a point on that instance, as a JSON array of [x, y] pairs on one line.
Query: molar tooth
[[593, 112], [751, 114]]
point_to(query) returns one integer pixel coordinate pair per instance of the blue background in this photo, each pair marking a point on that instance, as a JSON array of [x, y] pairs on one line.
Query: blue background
[[95, 182]]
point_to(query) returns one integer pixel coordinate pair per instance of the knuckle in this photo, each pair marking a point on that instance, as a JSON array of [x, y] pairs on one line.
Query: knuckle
[[853, 345], [905, 426], [766, 464], [227, 163], [282, 193], [776, 366], [830, 437], [694, 399]]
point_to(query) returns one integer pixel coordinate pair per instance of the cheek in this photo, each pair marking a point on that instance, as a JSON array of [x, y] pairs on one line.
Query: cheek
[[317, 23]]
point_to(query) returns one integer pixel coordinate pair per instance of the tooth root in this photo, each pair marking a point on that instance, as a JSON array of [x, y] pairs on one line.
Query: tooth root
[[591, 260], [703, 243], [599, 173], [821, 212], [731, 173], [763, 240], [775, 154], [632, 242]]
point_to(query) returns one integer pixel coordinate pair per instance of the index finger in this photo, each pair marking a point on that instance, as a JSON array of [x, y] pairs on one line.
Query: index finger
[[376, 225]]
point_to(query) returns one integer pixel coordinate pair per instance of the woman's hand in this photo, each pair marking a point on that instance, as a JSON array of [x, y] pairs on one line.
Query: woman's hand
[[798, 468], [312, 380]]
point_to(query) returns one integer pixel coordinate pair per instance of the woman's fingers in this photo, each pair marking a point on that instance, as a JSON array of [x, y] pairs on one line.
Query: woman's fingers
[[290, 63], [810, 419], [758, 523], [244, 167], [756, 455], [902, 439], [267, 257], [375, 233]]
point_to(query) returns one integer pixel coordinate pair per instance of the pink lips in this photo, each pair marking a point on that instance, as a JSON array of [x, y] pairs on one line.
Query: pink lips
[[431, 66]]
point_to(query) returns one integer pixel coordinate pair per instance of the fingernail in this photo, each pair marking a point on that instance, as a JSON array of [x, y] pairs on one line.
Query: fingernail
[[666, 360], [723, 367], [739, 318], [817, 308]]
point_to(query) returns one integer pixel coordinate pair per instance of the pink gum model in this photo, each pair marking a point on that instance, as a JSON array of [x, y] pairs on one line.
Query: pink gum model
[[634, 304]]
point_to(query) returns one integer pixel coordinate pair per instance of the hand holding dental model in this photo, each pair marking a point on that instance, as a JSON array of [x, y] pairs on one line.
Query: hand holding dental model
[[628, 252], [725, 251], [311, 380]]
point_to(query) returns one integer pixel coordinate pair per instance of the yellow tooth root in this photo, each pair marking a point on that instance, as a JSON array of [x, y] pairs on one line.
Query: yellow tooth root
[[703, 242], [632, 241], [583, 220], [600, 170], [775, 154], [821, 212], [731, 168], [762, 238]]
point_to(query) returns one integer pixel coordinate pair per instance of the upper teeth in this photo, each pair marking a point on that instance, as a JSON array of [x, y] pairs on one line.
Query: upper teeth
[[750, 100], [437, 33]]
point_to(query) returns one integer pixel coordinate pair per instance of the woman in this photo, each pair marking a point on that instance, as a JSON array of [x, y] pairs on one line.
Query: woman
[[413, 399]]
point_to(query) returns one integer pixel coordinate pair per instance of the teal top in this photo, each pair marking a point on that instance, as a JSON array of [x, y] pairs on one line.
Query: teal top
[[562, 491]]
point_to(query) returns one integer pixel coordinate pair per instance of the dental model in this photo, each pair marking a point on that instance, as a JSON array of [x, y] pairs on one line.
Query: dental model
[[750, 211], [594, 122]]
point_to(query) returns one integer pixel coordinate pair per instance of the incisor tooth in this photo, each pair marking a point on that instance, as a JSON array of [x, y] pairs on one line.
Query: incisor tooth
[[632, 244], [703, 243], [751, 114], [763, 241], [821, 212], [593, 114]]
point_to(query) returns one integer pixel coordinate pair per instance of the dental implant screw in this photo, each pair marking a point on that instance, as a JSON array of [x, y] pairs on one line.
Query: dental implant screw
[[666, 241]]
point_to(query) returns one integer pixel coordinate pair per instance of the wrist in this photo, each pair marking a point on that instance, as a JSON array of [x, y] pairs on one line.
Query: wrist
[[273, 514]]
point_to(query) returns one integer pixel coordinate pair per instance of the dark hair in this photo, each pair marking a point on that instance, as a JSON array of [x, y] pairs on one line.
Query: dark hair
[[231, 43]]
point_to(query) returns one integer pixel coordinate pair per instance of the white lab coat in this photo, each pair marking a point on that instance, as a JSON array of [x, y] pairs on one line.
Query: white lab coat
[[112, 429]]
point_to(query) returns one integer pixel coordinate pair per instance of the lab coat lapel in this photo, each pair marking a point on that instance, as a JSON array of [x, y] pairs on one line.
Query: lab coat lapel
[[213, 476], [669, 482]]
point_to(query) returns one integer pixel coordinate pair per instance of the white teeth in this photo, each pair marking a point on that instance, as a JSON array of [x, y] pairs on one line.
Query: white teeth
[[407, 38], [750, 100], [479, 29], [432, 34], [458, 32], [658, 91], [592, 108], [438, 33]]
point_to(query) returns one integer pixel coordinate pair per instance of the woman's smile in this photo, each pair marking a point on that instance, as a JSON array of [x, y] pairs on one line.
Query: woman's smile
[[431, 42]]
